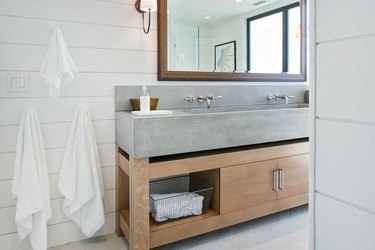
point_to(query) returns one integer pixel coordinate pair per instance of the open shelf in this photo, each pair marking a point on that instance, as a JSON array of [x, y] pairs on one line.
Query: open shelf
[[182, 226], [160, 226], [124, 217], [124, 223]]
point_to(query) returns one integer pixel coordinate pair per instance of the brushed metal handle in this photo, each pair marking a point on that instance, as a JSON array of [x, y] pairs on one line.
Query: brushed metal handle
[[275, 179], [281, 179]]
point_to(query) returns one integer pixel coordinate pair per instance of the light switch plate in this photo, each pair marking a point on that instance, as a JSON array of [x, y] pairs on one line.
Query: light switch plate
[[18, 82]]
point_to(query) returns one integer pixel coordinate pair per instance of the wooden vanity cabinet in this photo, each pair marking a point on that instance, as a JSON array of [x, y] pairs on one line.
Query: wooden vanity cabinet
[[257, 183], [243, 181], [246, 185], [295, 175]]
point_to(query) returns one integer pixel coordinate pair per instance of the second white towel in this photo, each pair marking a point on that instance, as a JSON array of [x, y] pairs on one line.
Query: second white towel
[[30, 182], [80, 178]]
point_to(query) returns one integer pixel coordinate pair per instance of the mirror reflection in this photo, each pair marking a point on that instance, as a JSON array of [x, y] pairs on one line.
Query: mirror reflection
[[256, 36]]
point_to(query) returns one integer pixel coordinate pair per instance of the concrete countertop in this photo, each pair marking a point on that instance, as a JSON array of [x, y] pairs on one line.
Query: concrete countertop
[[183, 132]]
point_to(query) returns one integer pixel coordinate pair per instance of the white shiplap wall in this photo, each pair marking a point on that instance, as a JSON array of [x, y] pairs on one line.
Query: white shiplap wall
[[109, 49]]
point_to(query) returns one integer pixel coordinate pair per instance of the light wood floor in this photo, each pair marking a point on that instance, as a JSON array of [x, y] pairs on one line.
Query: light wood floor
[[287, 230]]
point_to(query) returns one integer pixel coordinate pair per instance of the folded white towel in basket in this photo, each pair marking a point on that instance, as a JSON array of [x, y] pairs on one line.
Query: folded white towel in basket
[[175, 205], [30, 182]]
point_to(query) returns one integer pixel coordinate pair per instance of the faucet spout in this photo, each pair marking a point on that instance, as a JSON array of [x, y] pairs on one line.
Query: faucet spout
[[277, 97], [286, 99], [208, 99]]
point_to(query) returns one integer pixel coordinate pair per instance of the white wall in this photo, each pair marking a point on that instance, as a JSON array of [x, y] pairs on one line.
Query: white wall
[[109, 47], [345, 125], [206, 48], [233, 30], [183, 47]]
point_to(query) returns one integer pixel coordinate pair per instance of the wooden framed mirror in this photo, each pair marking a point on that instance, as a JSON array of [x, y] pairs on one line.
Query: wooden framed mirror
[[187, 53]]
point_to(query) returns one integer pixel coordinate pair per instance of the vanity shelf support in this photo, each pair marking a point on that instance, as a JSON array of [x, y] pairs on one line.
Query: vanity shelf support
[[132, 209]]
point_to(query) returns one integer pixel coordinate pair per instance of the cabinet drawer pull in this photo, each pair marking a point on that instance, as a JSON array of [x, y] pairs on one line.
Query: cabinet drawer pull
[[275, 179], [281, 179]]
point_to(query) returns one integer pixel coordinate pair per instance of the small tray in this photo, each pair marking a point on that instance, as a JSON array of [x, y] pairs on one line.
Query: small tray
[[152, 112]]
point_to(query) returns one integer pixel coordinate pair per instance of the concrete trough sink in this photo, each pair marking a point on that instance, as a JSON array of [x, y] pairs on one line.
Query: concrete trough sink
[[191, 130]]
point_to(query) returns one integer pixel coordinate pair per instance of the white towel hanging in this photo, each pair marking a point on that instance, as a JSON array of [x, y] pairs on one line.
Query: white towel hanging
[[30, 182], [80, 179], [58, 67]]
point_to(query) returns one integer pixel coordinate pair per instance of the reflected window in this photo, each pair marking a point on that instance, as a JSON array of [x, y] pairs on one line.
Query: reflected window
[[274, 41], [294, 40]]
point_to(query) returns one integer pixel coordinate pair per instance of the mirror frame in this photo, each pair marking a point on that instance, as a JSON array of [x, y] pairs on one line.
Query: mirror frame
[[165, 75]]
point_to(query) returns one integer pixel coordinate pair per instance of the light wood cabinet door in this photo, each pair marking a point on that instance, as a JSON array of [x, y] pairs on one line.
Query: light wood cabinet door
[[247, 185], [295, 175]]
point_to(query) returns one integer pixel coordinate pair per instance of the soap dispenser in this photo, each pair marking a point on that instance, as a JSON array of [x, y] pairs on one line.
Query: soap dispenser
[[145, 100]]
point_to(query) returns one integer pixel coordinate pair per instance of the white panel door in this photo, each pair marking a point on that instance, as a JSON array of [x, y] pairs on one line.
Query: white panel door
[[338, 19], [343, 227], [345, 79], [345, 125], [345, 156]]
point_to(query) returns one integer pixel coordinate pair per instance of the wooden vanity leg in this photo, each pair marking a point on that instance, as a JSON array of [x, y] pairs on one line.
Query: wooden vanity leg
[[139, 204], [122, 191]]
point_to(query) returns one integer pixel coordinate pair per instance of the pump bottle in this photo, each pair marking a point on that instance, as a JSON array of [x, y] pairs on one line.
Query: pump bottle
[[145, 100]]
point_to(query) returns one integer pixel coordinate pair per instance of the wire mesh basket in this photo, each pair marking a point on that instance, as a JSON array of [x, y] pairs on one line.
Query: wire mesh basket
[[178, 197]]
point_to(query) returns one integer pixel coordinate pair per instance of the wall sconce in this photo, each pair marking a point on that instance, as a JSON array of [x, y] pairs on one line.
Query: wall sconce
[[143, 6]]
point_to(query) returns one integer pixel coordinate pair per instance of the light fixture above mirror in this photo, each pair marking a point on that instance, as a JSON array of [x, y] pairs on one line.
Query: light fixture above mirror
[[144, 6]]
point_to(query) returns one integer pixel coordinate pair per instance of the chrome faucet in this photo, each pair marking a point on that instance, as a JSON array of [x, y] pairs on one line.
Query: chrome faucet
[[277, 97], [208, 99], [286, 98]]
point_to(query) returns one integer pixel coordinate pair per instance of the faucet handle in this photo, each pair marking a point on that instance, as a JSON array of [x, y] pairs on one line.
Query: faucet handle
[[200, 98], [190, 98], [214, 97], [272, 97]]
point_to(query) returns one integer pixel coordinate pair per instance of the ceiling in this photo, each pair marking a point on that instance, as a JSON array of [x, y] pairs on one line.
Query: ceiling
[[195, 11]]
